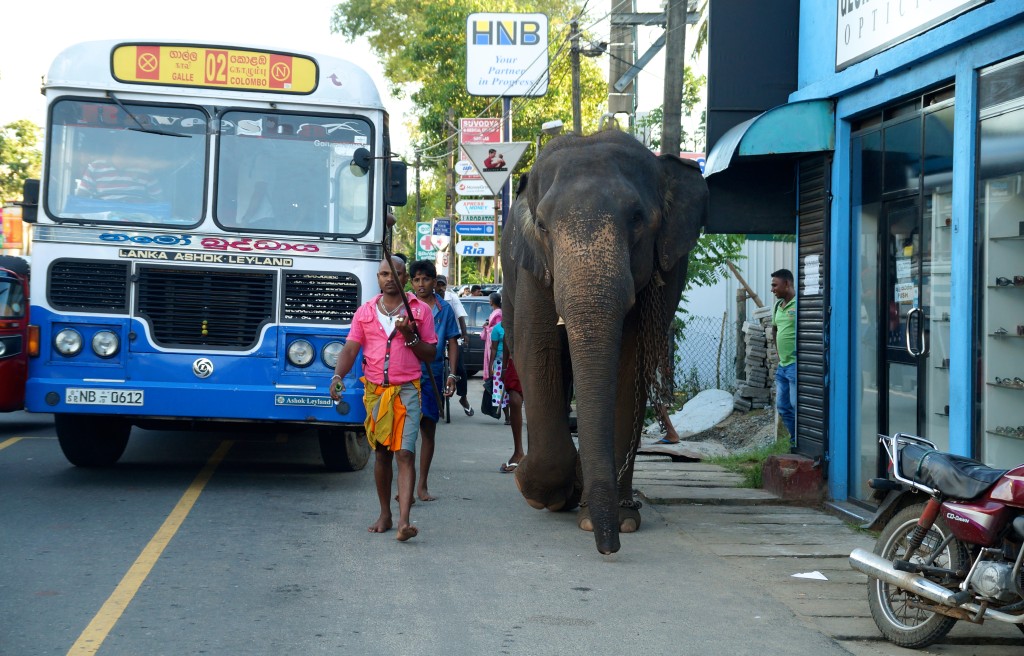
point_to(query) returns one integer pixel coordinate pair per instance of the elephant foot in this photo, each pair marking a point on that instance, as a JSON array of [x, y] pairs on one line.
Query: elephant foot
[[583, 519], [542, 496], [629, 517]]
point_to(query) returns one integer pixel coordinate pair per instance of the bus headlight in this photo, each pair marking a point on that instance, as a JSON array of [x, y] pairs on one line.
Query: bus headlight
[[330, 352], [301, 353], [105, 344], [68, 342]]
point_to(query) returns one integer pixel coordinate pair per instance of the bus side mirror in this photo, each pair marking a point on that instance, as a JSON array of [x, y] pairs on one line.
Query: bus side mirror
[[397, 191], [30, 201]]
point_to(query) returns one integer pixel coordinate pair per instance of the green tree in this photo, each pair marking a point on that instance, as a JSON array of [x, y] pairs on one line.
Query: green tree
[[422, 48], [20, 157], [693, 86]]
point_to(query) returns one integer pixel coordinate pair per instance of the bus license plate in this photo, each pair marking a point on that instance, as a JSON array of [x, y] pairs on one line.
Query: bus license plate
[[82, 396]]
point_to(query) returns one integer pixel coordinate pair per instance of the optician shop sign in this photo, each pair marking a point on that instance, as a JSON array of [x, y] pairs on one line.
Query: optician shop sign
[[867, 27]]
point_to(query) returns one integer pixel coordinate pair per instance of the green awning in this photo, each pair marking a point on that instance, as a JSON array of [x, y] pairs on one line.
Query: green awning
[[807, 126], [751, 169]]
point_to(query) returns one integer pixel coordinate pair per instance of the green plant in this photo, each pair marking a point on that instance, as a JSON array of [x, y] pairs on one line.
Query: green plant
[[749, 464]]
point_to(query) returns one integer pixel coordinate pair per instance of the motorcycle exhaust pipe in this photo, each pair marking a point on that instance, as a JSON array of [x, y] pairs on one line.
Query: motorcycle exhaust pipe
[[879, 568]]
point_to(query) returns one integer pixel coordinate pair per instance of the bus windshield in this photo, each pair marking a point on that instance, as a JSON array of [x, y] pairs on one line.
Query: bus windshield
[[126, 164], [290, 173]]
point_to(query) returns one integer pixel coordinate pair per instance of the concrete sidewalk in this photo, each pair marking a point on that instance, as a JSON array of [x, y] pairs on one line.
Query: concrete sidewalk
[[774, 542]]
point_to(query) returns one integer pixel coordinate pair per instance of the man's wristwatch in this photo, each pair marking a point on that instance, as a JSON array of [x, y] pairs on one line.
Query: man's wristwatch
[[454, 377]]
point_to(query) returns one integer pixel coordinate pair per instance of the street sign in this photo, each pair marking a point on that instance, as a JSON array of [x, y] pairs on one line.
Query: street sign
[[506, 54], [441, 233], [478, 248], [465, 168], [475, 207], [441, 263], [495, 161], [481, 228], [441, 227], [472, 188], [478, 130], [424, 248]]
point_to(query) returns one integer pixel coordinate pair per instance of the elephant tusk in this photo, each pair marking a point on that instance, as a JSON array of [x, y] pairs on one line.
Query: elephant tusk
[[560, 322]]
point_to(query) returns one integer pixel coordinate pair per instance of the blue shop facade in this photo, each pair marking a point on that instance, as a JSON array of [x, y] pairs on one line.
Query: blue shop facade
[[898, 161]]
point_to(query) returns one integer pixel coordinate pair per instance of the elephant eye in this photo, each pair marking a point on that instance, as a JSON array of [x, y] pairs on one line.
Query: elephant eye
[[542, 226]]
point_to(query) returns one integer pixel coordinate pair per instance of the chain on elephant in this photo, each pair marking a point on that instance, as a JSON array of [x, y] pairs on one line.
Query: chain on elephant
[[655, 372]]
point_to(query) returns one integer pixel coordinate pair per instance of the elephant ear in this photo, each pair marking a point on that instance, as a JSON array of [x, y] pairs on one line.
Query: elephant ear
[[521, 247], [684, 209]]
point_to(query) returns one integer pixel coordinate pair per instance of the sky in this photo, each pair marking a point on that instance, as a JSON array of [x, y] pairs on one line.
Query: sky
[[35, 31]]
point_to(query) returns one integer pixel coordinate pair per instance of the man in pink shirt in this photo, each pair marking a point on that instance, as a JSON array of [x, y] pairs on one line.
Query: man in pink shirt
[[393, 347]]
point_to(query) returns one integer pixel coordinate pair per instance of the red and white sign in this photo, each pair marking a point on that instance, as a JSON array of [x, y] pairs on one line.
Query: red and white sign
[[472, 188], [475, 207], [478, 130]]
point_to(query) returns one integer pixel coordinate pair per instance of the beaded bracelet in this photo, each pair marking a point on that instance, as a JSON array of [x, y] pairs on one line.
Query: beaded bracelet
[[414, 342]]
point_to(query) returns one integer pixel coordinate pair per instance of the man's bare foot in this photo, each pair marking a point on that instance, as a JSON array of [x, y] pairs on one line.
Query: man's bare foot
[[382, 524], [424, 495], [406, 532]]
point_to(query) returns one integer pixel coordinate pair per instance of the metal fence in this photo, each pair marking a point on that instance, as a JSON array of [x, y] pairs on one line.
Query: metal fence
[[705, 355]]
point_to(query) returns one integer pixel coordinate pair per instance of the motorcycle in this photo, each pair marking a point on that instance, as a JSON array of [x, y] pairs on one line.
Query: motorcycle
[[951, 547]]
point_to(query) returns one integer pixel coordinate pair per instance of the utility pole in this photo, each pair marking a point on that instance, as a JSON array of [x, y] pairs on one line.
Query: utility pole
[[620, 47], [449, 196], [675, 52], [574, 56], [419, 209]]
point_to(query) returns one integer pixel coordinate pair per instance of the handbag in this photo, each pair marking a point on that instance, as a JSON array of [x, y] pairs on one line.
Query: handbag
[[487, 403]]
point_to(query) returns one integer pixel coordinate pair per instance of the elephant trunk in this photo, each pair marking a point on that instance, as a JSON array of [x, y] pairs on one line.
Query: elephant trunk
[[593, 308]]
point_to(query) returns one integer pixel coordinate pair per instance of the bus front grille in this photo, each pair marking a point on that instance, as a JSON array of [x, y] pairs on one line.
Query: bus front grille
[[203, 307], [88, 286], [320, 297]]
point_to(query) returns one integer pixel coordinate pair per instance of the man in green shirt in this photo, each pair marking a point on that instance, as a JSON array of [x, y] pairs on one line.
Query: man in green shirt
[[784, 330]]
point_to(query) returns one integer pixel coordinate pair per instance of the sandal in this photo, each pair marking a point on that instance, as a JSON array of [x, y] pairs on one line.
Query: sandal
[[468, 411]]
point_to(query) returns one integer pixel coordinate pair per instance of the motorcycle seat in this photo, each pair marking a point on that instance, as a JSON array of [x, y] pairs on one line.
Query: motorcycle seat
[[956, 477]]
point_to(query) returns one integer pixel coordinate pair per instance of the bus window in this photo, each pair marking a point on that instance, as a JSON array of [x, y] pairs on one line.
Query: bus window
[[286, 173], [144, 166]]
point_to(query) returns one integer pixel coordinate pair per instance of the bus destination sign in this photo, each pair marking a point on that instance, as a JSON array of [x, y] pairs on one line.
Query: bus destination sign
[[218, 68]]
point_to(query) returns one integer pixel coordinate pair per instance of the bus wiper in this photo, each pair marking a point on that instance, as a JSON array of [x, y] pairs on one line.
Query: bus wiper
[[141, 128]]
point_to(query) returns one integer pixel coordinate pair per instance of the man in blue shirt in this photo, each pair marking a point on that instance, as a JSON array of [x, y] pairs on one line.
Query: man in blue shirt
[[423, 276]]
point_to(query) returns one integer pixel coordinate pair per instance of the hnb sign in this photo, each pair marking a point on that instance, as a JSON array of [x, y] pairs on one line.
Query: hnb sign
[[505, 32], [507, 54]]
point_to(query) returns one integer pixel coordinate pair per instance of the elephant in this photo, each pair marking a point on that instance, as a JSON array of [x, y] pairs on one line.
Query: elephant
[[594, 256]]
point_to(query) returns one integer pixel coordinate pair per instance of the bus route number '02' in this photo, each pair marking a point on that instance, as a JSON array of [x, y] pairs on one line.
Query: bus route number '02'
[[86, 396], [216, 67]]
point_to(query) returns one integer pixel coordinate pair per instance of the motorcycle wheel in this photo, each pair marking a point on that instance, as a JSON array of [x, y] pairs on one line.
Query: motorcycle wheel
[[896, 611]]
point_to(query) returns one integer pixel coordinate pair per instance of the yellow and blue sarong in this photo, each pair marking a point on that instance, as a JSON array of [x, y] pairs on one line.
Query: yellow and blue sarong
[[392, 414]]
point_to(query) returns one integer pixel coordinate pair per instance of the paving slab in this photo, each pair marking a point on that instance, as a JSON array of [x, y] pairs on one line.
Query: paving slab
[[677, 494], [770, 540]]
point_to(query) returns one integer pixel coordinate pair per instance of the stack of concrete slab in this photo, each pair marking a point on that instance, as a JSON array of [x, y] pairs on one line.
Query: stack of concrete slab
[[757, 388]]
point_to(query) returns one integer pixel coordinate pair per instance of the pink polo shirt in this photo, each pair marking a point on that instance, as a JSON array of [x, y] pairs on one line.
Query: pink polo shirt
[[379, 351]]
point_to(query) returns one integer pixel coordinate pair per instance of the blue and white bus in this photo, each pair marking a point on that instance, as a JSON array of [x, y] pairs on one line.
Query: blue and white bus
[[208, 220]]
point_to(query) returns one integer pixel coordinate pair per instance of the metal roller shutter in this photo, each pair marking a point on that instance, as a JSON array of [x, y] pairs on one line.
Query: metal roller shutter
[[812, 306]]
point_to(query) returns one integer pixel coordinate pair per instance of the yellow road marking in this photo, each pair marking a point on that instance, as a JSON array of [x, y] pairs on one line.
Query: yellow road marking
[[9, 442], [94, 634]]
